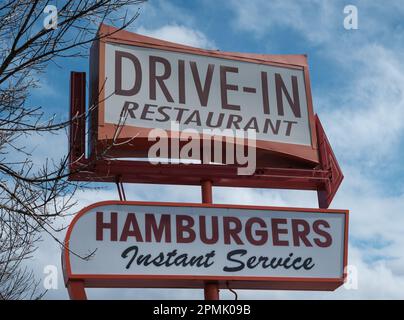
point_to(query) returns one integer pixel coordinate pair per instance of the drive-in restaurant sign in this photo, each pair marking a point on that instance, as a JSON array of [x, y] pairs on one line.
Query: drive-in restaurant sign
[[157, 82], [140, 244]]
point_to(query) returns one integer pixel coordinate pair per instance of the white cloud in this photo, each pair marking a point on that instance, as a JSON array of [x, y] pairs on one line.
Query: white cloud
[[180, 34], [318, 21], [306, 17], [156, 13], [364, 112], [45, 88], [368, 122], [166, 21]]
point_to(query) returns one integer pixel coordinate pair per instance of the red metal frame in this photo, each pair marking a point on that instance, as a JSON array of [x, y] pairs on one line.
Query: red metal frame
[[324, 178], [77, 283], [77, 134], [211, 289], [329, 164], [302, 168], [102, 132]]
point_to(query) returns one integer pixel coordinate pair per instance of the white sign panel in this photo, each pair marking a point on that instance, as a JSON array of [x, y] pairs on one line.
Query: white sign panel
[[157, 87], [134, 239]]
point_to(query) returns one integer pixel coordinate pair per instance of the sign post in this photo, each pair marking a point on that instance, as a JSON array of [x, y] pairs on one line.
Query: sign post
[[211, 290], [150, 83]]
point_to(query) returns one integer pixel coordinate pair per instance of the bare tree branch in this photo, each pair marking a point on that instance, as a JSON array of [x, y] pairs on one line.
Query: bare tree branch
[[34, 196]]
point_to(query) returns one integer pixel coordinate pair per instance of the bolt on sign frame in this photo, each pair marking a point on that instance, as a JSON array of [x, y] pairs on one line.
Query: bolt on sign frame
[[93, 229], [279, 165]]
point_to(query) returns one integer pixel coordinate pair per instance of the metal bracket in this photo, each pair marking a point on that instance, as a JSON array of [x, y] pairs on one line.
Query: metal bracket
[[328, 163], [325, 178]]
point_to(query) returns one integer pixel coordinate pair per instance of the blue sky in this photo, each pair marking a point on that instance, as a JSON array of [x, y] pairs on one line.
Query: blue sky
[[357, 79]]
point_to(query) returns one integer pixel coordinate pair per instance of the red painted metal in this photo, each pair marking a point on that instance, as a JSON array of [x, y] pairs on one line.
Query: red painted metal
[[211, 289], [76, 290], [103, 133], [324, 178], [77, 116], [329, 164]]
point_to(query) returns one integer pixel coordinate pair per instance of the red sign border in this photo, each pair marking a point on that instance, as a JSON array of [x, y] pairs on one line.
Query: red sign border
[[189, 281], [102, 132]]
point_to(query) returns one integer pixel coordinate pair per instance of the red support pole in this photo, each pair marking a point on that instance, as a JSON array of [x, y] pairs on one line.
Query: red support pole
[[77, 116], [76, 290], [207, 191], [211, 289]]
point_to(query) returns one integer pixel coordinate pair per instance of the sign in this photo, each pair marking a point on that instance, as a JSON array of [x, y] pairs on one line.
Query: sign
[[156, 83], [141, 244]]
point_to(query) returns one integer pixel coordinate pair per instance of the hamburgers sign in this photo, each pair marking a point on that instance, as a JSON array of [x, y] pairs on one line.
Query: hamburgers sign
[[155, 83], [183, 245]]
